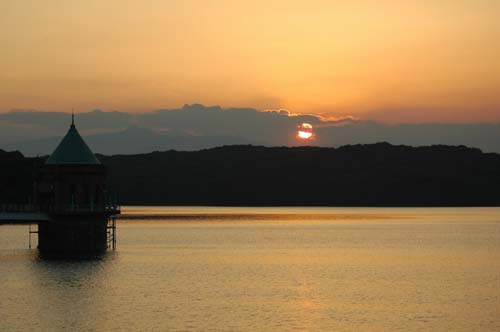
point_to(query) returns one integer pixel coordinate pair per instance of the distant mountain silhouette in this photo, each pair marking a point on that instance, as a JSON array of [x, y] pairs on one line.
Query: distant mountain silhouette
[[195, 127], [131, 140], [357, 175]]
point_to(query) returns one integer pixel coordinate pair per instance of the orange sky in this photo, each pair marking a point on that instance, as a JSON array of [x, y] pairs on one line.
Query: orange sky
[[388, 60]]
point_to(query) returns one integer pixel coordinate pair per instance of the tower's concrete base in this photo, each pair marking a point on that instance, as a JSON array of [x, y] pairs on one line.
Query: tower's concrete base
[[73, 236]]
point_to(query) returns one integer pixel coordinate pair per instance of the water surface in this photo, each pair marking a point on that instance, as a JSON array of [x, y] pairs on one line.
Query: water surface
[[266, 269]]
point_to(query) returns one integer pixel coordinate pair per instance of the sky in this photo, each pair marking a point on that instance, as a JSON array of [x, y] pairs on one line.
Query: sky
[[383, 60]]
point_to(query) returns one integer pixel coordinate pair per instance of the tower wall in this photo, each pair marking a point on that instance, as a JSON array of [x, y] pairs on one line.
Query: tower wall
[[62, 188], [75, 198]]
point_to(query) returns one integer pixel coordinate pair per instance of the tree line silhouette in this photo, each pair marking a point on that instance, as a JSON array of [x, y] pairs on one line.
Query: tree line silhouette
[[355, 175]]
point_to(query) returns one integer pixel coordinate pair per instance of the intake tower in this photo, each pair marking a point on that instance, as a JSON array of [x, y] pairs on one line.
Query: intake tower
[[71, 189]]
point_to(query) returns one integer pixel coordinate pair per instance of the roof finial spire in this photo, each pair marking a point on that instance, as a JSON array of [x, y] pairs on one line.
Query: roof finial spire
[[72, 117]]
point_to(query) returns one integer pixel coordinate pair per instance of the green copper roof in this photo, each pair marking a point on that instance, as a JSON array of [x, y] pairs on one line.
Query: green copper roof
[[72, 150]]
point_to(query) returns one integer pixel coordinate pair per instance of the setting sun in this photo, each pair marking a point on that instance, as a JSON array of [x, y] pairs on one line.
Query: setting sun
[[305, 131]]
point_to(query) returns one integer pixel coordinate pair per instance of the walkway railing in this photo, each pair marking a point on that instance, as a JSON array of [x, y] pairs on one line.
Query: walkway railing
[[17, 207], [72, 208]]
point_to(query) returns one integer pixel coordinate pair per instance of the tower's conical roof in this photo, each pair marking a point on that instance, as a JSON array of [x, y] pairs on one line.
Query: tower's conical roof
[[72, 151]]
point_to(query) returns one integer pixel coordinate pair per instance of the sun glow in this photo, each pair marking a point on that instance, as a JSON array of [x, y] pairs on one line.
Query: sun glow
[[304, 135], [305, 131]]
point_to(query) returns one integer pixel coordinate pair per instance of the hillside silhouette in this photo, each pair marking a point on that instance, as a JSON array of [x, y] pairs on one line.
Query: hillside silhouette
[[16, 177], [355, 175]]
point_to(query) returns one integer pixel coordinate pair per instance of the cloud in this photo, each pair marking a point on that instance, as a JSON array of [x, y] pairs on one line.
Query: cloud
[[96, 119], [196, 126]]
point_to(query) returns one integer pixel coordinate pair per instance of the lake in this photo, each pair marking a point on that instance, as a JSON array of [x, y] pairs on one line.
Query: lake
[[266, 269]]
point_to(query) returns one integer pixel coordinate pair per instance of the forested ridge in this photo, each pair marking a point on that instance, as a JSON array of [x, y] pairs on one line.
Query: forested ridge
[[354, 175]]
